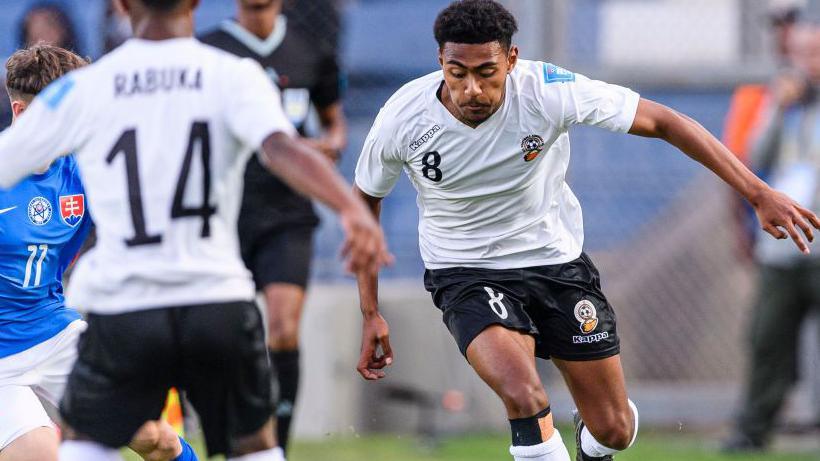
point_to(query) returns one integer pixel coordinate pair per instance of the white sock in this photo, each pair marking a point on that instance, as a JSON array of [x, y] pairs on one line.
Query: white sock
[[551, 450], [84, 450], [274, 454], [595, 449]]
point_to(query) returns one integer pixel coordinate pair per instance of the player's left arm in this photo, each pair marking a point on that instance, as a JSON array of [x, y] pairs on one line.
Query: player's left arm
[[52, 126], [776, 211]]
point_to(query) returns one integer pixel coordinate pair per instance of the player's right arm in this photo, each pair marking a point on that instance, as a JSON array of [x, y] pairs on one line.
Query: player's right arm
[[52, 126], [375, 331], [377, 171]]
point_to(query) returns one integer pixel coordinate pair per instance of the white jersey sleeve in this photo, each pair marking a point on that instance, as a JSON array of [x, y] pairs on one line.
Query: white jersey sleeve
[[380, 163], [55, 124], [255, 109], [570, 98]]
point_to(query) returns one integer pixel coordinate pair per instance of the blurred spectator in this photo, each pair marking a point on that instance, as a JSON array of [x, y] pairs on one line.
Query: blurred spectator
[[43, 22], [788, 150], [48, 23], [318, 19], [116, 26], [746, 109]]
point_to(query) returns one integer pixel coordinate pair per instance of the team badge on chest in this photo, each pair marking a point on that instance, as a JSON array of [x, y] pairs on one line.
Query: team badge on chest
[[532, 145], [72, 208], [39, 211]]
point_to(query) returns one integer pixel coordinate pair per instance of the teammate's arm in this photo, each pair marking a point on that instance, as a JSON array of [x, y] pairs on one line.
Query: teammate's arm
[[775, 210], [303, 169], [375, 331]]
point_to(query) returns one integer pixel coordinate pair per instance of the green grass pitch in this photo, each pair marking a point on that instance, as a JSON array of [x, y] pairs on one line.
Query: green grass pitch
[[651, 446]]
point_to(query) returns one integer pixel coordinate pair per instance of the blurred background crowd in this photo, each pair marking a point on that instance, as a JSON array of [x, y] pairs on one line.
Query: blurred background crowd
[[718, 329]]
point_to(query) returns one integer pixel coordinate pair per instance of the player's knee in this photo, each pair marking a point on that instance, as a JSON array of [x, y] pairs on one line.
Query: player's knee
[[39, 444], [261, 440], [616, 431], [523, 398], [156, 441], [283, 333]]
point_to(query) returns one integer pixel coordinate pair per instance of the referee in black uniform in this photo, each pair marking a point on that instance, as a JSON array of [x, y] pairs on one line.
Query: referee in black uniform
[[276, 224]]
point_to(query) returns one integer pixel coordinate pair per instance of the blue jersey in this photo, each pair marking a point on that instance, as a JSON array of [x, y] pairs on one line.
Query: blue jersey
[[43, 223]]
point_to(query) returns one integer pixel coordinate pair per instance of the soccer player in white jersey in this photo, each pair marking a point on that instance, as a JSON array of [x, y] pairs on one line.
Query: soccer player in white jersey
[[39, 335], [485, 143], [161, 129]]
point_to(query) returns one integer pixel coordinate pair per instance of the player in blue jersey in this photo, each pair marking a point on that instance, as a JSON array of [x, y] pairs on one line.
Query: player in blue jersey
[[43, 223]]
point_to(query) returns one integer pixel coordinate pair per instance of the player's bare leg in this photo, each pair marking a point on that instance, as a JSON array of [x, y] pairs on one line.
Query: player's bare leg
[[261, 442], [40, 444], [505, 360], [284, 305], [599, 391]]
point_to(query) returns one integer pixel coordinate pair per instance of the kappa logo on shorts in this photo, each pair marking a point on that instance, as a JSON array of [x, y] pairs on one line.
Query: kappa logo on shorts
[[532, 145], [586, 313]]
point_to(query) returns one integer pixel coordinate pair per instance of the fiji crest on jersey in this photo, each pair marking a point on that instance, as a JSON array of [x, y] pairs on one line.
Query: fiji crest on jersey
[[72, 208]]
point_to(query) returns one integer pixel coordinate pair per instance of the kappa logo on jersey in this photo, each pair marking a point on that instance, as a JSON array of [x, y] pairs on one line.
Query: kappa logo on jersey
[[424, 138], [39, 211], [553, 73], [72, 208], [532, 145], [586, 313]]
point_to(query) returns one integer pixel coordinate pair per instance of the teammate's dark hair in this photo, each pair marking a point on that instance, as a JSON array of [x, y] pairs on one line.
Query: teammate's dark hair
[[30, 70], [475, 21], [161, 5]]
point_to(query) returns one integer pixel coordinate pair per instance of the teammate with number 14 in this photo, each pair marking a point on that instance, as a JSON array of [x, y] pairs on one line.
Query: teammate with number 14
[[161, 129], [485, 143]]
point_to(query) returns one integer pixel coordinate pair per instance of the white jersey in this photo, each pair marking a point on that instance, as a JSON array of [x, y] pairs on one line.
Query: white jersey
[[494, 196], [161, 131]]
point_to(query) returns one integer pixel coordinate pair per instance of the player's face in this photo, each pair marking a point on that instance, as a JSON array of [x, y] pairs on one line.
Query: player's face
[[476, 76]]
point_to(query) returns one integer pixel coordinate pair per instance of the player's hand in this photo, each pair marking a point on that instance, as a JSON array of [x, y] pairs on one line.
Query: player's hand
[[780, 216], [789, 89], [364, 248], [325, 147], [376, 353]]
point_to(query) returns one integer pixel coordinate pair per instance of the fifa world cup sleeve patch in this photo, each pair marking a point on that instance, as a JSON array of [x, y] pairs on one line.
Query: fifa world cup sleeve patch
[[54, 94], [553, 73]]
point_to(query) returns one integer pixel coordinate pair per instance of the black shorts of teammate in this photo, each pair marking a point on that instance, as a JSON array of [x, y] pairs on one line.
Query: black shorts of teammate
[[281, 256], [561, 306], [215, 353]]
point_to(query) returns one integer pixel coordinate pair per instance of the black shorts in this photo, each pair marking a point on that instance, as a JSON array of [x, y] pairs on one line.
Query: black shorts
[[561, 306], [281, 256], [215, 353]]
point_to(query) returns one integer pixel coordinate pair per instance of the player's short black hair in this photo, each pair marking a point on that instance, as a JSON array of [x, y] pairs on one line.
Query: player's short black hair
[[475, 21], [161, 5]]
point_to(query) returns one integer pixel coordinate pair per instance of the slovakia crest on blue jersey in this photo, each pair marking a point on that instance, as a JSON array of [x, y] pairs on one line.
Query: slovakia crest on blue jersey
[[72, 208]]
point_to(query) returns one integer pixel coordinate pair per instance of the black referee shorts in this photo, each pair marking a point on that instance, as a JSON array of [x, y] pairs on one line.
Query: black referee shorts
[[283, 255], [561, 306], [215, 353]]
